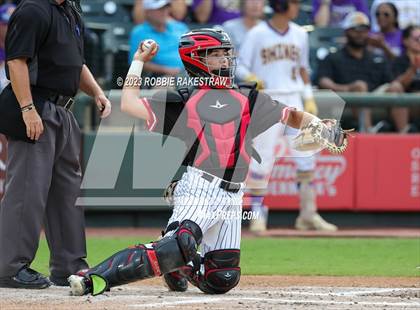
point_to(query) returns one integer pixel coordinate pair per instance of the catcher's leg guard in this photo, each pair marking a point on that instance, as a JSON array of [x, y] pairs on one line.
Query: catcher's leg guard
[[177, 281], [222, 272], [173, 251]]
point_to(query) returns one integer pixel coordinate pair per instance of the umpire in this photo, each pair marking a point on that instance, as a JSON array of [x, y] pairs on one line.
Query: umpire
[[45, 64]]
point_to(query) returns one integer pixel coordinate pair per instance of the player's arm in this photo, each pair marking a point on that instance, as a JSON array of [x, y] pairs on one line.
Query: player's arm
[[322, 16], [89, 85], [130, 97], [405, 78], [138, 12], [307, 94], [297, 119], [268, 112], [246, 56], [23, 42]]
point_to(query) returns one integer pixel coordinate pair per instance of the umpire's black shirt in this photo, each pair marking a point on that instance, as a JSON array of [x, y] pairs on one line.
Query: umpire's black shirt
[[342, 68], [51, 37]]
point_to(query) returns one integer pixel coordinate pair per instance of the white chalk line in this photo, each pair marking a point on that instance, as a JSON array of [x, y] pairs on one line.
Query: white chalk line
[[290, 291], [338, 294], [192, 300], [376, 291], [181, 302], [274, 300]]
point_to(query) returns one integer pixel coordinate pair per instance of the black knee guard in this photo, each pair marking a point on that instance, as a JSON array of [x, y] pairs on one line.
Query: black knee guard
[[173, 255], [173, 251], [222, 272]]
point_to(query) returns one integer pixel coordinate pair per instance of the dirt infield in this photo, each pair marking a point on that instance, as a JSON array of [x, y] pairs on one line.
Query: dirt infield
[[254, 292]]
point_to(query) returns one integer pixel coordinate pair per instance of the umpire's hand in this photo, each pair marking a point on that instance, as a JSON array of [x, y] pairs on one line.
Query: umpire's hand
[[33, 122], [103, 104]]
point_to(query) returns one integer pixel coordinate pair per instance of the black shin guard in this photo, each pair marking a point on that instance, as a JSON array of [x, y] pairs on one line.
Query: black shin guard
[[173, 251], [222, 272]]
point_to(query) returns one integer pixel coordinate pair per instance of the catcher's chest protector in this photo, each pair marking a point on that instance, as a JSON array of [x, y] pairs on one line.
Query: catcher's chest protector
[[219, 119]]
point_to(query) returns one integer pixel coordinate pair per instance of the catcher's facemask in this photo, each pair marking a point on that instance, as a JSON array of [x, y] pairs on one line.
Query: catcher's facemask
[[227, 62], [195, 47]]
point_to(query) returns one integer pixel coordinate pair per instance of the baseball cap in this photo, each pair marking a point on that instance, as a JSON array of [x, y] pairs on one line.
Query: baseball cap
[[356, 20], [6, 11], [155, 4]]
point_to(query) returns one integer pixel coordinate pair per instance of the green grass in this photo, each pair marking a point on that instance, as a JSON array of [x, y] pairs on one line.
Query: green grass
[[300, 256]]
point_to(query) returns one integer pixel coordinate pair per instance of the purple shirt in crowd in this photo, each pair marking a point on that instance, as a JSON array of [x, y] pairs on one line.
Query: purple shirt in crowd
[[223, 10], [340, 8], [394, 41], [2, 55]]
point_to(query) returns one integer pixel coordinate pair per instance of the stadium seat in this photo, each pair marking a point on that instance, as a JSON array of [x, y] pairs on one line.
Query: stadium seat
[[323, 41], [99, 14], [116, 49], [111, 22]]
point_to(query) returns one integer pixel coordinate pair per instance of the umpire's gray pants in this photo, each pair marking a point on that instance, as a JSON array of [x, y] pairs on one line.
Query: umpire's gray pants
[[42, 185]]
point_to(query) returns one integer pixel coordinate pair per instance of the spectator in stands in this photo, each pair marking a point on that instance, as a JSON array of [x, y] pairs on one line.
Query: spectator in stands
[[166, 32], [406, 68], [215, 11], [331, 13], [387, 42], [6, 11], [252, 11], [408, 12], [355, 69], [178, 11]]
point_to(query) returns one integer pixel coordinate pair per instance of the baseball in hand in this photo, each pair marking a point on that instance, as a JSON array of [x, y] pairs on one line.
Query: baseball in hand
[[146, 44]]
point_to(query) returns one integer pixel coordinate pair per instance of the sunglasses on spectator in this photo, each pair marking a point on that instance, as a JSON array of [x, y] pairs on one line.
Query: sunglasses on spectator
[[386, 14]]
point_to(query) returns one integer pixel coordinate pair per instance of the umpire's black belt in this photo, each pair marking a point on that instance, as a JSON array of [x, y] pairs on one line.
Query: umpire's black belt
[[227, 186], [63, 101]]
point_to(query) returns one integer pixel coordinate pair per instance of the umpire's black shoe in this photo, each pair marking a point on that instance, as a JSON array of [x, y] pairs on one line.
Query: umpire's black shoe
[[176, 282], [25, 278]]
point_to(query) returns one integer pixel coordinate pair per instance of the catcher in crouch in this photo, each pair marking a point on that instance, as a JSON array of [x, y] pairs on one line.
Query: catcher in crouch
[[217, 122]]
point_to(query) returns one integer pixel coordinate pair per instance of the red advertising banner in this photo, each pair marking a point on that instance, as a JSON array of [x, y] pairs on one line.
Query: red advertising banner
[[334, 182], [3, 152], [376, 173], [388, 172]]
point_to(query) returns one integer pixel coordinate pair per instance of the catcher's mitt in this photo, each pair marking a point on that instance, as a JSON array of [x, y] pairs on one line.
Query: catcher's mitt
[[322, 134]]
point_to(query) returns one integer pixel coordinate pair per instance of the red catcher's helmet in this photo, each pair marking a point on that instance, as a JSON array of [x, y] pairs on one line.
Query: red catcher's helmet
[[194, 47]]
